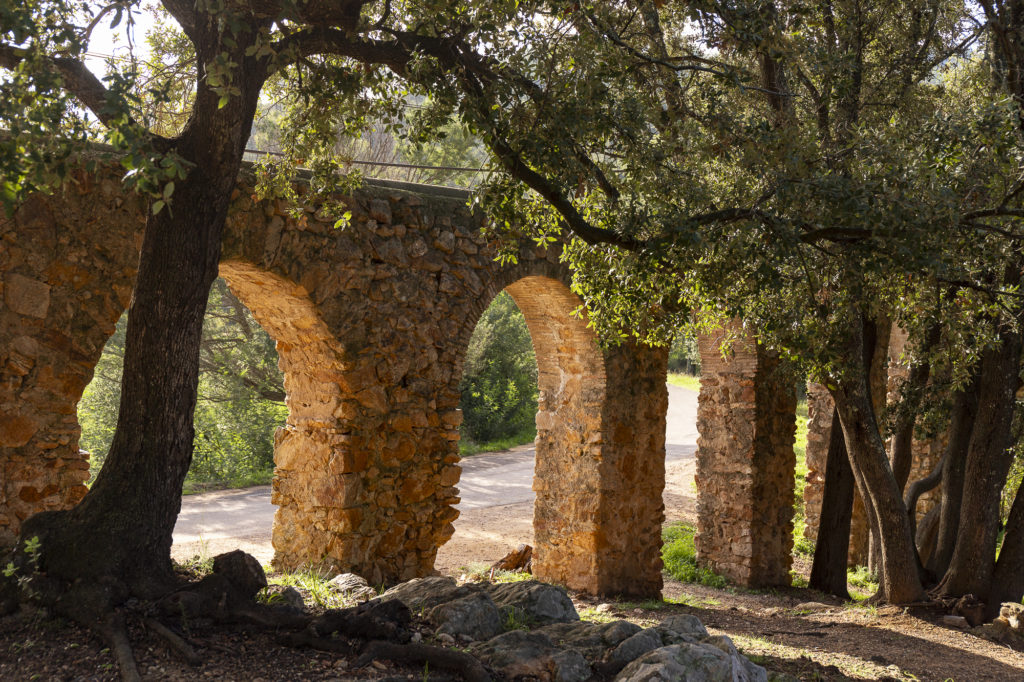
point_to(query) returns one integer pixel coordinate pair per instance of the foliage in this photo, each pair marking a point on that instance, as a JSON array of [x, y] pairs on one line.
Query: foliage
[[679, 555], [499, 380], [241, 399], [683, 355]]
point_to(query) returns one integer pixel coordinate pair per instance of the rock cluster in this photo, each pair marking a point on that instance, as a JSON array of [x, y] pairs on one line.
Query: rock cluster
[[532, 630]]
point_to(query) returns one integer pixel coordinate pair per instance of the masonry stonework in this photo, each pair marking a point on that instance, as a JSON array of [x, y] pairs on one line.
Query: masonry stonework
[[745, 461], [371, 322]]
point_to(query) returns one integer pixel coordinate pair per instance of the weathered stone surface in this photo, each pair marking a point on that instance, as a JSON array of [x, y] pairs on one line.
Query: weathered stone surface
[[474, 616], [532, 654], [636, 646], [352, 586], [591, 640], [535, 602], [745, 462], [1013, 614], [681, 628], [284, 594], [688, 662], [422, 594], [243, 570], [372, 324], [26, 296]]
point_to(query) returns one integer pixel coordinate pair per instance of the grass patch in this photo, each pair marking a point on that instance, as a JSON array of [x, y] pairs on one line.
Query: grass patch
[[592, 615], [241, 481], [468, 447], [685, 380], [314, 587], [861, 583], [680, 557]]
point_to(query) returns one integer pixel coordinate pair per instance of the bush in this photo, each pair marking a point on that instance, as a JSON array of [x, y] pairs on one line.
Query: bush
[[499, 380], [241, 398], [679, 555]]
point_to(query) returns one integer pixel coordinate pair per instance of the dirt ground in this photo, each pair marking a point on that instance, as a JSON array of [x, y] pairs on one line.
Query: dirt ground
[[780, 629]]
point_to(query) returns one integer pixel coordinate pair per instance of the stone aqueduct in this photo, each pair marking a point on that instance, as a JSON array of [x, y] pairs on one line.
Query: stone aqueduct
[[371, 324]]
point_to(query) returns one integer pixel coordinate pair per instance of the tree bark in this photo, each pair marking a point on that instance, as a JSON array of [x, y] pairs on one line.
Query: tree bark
[[122, 528], [988, 462], [964, 411], [1008, 578], [898, 578], [901, 448], [828, 572]]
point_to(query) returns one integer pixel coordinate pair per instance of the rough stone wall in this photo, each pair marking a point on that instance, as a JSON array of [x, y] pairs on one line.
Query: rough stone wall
[[819, 431], [372, 323], [67, 266], [745, 463]]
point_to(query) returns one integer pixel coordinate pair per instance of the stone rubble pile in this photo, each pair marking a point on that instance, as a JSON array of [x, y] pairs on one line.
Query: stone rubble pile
[[531, 630]]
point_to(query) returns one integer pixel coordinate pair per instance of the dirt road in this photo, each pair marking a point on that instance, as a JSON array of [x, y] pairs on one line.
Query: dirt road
[[496, 507]]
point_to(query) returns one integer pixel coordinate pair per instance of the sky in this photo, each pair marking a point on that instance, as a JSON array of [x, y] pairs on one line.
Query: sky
[[105, 41]]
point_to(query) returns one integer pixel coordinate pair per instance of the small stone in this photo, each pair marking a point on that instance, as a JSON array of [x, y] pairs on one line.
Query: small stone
[[242, 570], [284, 594], [955, 622], [535, 602], [603, 608], [445, 639]]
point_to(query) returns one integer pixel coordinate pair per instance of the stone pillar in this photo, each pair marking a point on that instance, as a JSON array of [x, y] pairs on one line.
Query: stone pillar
[[600, 469], [67, 265], [745, 462]]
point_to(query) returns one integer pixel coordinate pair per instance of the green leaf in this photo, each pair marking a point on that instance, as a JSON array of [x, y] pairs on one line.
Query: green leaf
[[158, 206]]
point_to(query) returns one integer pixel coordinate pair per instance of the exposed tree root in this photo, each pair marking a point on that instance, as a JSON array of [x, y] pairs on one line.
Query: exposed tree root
[[174, 641], [375, 620], [113, 629], [307, 640], [434, 657]]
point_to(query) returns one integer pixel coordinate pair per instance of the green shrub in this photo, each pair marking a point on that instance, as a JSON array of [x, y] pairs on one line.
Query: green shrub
[[499, 379], [679, 555]]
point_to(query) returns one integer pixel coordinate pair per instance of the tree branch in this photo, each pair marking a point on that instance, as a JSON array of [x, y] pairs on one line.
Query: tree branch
[[81, 83]]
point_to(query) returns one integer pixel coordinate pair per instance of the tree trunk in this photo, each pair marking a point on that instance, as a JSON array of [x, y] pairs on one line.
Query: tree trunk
[[964, 411], [1008, 578], [901, 447], [828, 573], [988, 461], [120, 534], [898, 578]]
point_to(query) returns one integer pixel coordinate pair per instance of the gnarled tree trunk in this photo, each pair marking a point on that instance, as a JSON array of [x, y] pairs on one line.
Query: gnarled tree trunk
[[898, 576]]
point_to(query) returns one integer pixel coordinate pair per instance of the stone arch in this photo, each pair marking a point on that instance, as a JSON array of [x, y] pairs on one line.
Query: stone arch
[[309, 448], [67, 268], [599, 472]]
